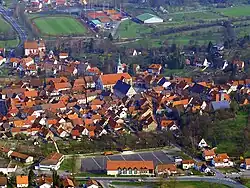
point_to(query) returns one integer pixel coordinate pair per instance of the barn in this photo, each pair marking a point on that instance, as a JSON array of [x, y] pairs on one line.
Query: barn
[[149, 18]]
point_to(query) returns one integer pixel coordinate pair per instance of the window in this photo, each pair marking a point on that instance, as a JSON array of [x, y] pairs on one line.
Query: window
[[135, 171], [130, 170], [124, 171], [119, 170]]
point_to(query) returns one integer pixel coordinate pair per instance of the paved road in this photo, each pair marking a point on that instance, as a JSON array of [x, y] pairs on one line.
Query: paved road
[[107, 180], [21, 33]]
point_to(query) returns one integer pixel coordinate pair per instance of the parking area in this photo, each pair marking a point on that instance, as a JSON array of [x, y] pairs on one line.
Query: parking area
[[98, 164]]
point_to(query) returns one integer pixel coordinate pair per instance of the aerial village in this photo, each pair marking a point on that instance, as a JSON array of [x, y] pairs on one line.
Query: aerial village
[[80, 102]]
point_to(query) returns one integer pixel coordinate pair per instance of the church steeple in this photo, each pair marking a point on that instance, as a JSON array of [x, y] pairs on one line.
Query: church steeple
[[119, 67]]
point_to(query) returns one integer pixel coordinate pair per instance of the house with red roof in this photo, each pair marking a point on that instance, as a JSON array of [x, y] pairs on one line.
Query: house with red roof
[[131, 168], [107, 81]]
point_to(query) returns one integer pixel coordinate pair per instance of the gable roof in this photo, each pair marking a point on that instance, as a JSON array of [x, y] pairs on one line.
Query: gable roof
[[220, 105], [111, 79], [209, 152], [122, 87], [30, 45], [3, 181], [146, 16], [62, 85], [114, 165], [165, 167], [22, 180]]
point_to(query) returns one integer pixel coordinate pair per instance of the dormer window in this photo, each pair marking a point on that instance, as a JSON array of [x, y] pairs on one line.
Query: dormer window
[[135, 170], [124, 171], [119, 170], [130, 170]]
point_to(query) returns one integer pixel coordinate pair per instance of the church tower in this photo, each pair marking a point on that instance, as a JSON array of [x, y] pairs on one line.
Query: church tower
[[119, 67]]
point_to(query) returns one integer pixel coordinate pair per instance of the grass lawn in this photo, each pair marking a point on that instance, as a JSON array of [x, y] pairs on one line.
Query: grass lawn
[[59, 26], [203, 15], [66, 165], [172, 184], [235, 11], [228, 170], [9, 43], [230, 134], [130, 29], [4, 25]]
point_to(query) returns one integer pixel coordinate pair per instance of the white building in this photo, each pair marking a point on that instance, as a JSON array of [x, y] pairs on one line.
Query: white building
[[133, 168], [20, 157], [202, 144], [2, 60], [187, 164], [33, 47], [149, 18], [51, 162]]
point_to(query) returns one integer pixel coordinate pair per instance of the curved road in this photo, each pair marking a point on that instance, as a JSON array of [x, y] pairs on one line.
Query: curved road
[[226, 181], [21, 33]]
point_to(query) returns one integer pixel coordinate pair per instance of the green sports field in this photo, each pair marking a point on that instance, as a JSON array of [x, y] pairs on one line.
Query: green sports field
[[59, 26]]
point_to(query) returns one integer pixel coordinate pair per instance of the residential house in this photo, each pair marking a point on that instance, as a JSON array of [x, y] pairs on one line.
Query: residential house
[[166, 169], [219, 105], [122, 89], [68, 183], [247, 163], [2, 60], [168, 125], [107, 81], [3, 182], [22, 181], [149, 123], [92, 184], [33, 47], [63, 55], [44, 182], [51, 162], [155, 69], [202, 144], [187, 164], [208, 154], [20, 157], [222, 160], [133, 168], [202, 167]]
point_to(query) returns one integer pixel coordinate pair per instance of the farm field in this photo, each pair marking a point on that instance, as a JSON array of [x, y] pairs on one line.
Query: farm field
[[59, 26], [235, 11], [203, 15], [199, 36]]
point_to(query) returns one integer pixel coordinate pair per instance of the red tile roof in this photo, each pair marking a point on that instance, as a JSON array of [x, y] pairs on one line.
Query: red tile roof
[[111, 79], [115, 165]]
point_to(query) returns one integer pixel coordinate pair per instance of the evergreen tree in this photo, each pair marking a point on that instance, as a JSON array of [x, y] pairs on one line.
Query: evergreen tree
[[31, 177], [110, 37]]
